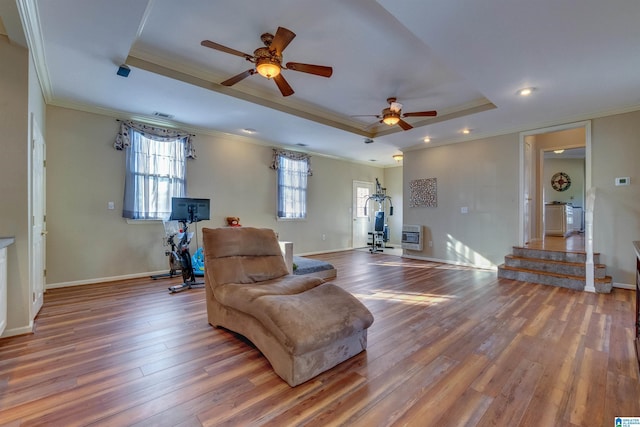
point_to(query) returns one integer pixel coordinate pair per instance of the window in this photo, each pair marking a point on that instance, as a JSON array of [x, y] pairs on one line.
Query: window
[[293, 170], [361, 202], [156, 172]]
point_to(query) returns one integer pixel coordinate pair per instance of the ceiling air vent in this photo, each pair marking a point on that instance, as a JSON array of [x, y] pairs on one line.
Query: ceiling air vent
[[163, 115]]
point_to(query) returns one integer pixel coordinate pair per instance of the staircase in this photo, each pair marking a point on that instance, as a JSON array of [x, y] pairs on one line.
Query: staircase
[[555, 268]]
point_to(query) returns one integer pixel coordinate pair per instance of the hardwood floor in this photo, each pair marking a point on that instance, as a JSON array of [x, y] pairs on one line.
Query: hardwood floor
[[450, 346], [571, 243]]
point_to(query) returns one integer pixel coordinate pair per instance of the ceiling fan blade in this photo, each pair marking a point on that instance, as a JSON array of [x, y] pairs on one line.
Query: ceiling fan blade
[[404, 125], [284, 87], [282, 39], [216, 46], [421, 114], [235, 79], [318, 70]]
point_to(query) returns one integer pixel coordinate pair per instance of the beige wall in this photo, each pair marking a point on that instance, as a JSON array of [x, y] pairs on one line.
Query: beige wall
[[615, 151], [480, 175], [88, 242], [393, 184]]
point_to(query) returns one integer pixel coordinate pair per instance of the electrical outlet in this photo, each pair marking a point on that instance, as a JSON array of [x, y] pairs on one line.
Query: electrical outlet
[[464, 210], [430, 243], [111, 206], [324, 237]]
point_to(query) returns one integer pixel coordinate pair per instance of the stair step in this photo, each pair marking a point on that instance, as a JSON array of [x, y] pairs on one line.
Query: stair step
[[554, 255], [602, 285], [553, 266], [542, 277]]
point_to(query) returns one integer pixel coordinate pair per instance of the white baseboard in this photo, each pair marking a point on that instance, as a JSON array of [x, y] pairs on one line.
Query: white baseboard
[[323, 252], [442, 261], [103, 279], [18, 331], [624, 286]]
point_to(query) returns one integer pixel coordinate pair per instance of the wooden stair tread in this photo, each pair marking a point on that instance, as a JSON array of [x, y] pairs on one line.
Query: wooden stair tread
[[553, 250], [551, 261], [605, 279], [542, 272]]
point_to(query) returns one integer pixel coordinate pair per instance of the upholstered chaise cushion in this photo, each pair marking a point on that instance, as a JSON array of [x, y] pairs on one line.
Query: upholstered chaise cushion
[[312, 319], [242, 296]]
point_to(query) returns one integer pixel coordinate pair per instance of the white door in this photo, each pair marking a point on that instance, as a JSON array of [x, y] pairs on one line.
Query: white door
[[528, 199], [38, 228], [361, 216]]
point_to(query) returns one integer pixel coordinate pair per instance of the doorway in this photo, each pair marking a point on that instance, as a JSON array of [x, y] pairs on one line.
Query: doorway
[[531, 165]]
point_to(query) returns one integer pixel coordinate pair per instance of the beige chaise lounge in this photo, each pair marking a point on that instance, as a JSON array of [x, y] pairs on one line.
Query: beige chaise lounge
[[302, 325]]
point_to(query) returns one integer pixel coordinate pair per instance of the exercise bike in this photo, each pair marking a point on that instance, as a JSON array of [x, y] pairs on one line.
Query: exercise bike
[[187, 211], [171, 229], [188, 275]]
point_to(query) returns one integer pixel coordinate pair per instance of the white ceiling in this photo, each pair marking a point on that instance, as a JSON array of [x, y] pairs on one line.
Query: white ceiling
[[464, 58]]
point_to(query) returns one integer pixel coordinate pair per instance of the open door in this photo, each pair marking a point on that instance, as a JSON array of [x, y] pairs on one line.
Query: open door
[[38, 226]]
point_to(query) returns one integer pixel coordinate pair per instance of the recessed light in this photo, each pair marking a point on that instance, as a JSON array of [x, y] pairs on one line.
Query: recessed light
[[427, 139], [300, 144], [466, 131], [558, 151], [249, 131], [526, 91], [368, 141], [372, 160]]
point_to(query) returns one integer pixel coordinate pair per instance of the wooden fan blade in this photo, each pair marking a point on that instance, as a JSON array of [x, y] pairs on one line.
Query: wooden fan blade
[[404, 125], [216, 46], [421, 114], [282, 39], [235, 79], [318, 70], [284, 87]]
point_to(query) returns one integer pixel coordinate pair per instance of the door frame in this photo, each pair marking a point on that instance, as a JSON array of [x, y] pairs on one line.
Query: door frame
[[589, 193], [355, 184]]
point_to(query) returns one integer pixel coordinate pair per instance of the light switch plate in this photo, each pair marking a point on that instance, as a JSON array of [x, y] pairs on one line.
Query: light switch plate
[[623, 180]]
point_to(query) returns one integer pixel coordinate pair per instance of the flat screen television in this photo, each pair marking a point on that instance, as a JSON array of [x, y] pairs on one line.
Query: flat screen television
[[189, 209]]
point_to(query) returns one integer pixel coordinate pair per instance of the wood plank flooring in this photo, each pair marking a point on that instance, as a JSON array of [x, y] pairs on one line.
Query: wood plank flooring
[[450, 346]]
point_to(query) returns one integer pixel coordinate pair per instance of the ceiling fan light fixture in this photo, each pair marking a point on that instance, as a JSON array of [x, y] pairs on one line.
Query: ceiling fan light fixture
[[390, 117], [267, 67], [391, 120]]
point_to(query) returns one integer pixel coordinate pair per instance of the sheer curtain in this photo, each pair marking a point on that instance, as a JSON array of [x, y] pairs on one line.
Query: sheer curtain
[[293, 169], [155, 172]]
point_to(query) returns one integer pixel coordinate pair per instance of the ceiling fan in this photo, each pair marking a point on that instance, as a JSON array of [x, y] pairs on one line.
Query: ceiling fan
[[268, 60], [393, 115]]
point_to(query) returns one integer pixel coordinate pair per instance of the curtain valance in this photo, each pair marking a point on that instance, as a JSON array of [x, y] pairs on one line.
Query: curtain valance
[[123, 139], [293, 155]]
